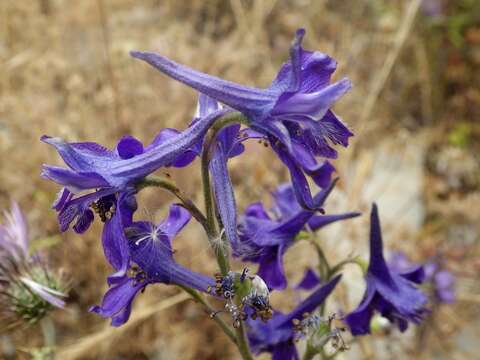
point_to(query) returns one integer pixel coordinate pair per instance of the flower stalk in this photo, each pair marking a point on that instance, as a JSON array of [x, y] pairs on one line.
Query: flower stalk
[[221, 252]]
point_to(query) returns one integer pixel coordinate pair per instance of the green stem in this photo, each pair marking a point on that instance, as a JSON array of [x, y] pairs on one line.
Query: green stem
[[242, 342], [198, 297], [310, 353], [325, 269], [238, 337]]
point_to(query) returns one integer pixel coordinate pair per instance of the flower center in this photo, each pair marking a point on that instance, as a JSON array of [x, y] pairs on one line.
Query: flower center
[[104, 207]]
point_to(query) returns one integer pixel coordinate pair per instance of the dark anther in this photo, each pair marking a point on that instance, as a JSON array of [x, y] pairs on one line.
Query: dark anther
[[224, 286], [244, 275], [105, 207]]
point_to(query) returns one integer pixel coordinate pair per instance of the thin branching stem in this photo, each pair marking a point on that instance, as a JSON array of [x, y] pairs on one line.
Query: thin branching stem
[[187, 203], [198, 297]]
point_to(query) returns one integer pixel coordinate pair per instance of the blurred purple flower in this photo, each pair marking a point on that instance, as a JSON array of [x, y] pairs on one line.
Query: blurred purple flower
[[142, 254], [441, 281], [432, 7], [293, 113], [20, 270], [264, 240], [14, 234], [393, 294], [94, 167], [277, 336]]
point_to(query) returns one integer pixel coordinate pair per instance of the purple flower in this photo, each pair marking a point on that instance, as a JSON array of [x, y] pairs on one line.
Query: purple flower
[[145, 250], [441, 281], [277, 336], [391, 293], [293, 113], [265, 239], [94, 167], [24, 277], [14, 235]]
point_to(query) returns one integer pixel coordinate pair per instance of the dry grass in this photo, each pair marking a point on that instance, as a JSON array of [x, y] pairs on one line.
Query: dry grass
[[65, 71]]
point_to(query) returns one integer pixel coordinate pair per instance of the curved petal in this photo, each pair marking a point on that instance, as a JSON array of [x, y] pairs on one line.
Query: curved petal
[[359, 320], [320, 221], [183, 159], [308, 305], [415, 274], [115, 242], [74, 209], [206, 105], [271, 268], [311, 105], [176, 220], [285, 351], [285, 201], [63, 196], [377, 266], [118, 300], [224, 195], [83, 221], [299, 182], [74, 181], [256, 210], [309, 281], [129, 147], [242, 98], [80, 157], [107, 171]]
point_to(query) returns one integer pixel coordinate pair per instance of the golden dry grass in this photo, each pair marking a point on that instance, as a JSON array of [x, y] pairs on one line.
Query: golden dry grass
[[65, 71]]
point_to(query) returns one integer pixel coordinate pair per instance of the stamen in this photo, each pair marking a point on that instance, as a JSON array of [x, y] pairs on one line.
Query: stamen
[[105, 207]]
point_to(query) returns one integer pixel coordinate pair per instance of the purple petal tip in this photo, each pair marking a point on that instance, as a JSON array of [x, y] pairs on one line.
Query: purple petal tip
[[300, 33]]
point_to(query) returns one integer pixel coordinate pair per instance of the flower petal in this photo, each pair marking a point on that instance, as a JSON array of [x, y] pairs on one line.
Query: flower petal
[[309, 304], [118, 300], [224, 195], [240, 97], [271, 268], [176, 220], [74, 181], [377, 267], [285, 351], [115, 242], [359, 320], [129, 147], [313, 105], [320, 221], [309, 281]]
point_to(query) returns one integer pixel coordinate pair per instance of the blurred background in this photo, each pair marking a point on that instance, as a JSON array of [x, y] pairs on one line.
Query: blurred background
[[414, 108]]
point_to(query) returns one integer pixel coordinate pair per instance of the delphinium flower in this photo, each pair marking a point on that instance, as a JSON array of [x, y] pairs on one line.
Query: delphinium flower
[[294, 113], [393, 294], [278, 335], [440, 282], [148, 250], [264, 239], [102, 172], [28, 288]]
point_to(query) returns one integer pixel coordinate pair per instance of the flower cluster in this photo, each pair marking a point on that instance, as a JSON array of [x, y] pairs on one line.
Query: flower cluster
[[294, 117], [28, 288], [439, 281]]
